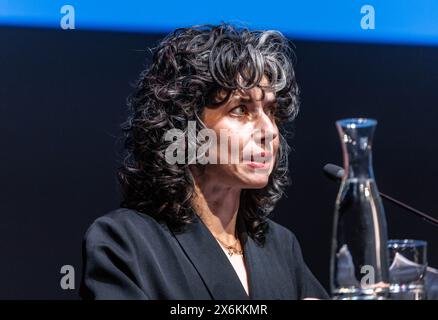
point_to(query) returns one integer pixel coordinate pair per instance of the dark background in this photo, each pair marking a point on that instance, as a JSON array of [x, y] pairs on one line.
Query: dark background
[[62, 99]]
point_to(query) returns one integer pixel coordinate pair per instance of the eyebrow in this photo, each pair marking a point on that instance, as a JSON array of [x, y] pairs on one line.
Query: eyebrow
[[248, 100]]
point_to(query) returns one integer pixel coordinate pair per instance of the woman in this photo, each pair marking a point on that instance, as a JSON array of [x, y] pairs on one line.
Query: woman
[[195, 226]]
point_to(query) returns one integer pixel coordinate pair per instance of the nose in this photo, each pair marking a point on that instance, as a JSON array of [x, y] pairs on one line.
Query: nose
[[266, 129]]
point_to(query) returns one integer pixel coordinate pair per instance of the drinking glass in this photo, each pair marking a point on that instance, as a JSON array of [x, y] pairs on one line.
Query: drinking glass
[[408, 264]]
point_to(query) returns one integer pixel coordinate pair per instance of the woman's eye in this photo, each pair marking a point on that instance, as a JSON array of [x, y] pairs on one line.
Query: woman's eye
[[239, 110]]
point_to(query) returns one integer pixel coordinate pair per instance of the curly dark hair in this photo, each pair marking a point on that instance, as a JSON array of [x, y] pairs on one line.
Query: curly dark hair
[[189, 68]]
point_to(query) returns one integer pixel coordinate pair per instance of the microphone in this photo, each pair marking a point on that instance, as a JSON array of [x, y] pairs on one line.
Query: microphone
[[336, 173]]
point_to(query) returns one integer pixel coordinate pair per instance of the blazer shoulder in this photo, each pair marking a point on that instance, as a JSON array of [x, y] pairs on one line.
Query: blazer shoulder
[[122, 223]]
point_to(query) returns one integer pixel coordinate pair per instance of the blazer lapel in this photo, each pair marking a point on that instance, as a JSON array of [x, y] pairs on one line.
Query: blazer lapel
[[266, 279], [211, 262], [256, 262]]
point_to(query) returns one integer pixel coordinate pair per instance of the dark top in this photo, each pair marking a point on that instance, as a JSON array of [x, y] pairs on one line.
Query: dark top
[[129, 255]]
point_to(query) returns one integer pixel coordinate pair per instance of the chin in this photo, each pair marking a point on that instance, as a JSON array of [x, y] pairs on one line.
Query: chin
[[257, 182]]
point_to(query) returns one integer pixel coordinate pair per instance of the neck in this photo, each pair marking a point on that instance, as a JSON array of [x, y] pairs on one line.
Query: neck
[[217, 206]]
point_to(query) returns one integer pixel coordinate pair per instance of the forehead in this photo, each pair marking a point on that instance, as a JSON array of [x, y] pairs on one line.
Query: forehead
[[265, 94], [261, 92]]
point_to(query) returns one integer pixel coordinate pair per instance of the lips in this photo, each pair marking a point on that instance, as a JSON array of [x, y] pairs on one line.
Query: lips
[[257, 165], [260, 160]]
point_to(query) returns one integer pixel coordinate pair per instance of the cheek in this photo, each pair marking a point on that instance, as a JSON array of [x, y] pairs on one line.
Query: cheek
[[233, 135], [276, 145], [244, 137]]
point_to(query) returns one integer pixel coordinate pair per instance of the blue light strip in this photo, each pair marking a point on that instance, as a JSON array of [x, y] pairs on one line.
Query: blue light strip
[[393, 21]]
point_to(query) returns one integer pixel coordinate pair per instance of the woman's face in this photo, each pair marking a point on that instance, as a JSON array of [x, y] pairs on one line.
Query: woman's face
[[250, 121]]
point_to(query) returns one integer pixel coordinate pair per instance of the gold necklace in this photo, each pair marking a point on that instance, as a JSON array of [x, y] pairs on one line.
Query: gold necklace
[[231, 249]]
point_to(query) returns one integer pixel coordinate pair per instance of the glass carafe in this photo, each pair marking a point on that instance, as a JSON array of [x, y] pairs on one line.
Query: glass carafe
[[359, 259]]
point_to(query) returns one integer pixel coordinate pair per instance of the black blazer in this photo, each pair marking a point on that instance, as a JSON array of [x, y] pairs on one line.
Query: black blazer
[[129, 255]]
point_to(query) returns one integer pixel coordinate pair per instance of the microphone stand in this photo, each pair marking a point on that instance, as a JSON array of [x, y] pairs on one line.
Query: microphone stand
[[336, 173]]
